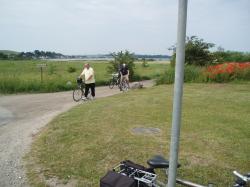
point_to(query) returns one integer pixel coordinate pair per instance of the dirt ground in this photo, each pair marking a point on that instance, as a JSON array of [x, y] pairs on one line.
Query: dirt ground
[[21, 117]]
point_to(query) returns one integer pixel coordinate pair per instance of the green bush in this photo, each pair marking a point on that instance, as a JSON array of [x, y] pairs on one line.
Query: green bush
[[196, 52], [191, 74], [231, 56], [71, 69], [122, 58], [167, 77]]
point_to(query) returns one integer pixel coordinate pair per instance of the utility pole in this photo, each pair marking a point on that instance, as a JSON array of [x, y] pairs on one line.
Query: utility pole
[[178, 90]]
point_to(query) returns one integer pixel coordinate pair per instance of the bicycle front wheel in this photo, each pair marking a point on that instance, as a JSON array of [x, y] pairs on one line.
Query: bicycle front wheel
[[77, 94], [111, 84], [124, 86]]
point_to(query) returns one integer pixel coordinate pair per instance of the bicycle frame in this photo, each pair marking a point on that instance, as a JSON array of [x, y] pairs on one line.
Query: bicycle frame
[[182, 182], [148, 176]]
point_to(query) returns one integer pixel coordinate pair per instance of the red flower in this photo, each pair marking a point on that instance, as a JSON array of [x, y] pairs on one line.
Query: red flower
[[226, 68]]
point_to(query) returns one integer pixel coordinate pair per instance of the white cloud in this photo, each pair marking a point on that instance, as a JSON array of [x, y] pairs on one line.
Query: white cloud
[[100, 26]]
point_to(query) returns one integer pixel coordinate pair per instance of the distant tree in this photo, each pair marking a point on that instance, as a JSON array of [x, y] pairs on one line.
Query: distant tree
[[3, 56], [196, 52], [231, 56], [122, 58], [37, 54], [220, 49]]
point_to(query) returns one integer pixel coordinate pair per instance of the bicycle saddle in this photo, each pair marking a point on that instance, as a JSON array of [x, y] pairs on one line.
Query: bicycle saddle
[[159, 161]]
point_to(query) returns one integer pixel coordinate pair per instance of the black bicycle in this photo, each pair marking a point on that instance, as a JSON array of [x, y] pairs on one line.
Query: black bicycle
[[130, 174], [78, 92], [114, 81]]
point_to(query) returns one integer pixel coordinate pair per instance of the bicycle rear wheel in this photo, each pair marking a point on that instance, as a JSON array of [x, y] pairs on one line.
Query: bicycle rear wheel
[[77, 94]]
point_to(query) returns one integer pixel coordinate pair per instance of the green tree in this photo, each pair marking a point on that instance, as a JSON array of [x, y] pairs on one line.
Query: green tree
[[3, 56], [196, 52], [122, 58], [231, 56]]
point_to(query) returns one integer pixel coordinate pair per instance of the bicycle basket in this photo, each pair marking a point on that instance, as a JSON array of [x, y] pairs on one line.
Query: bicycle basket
[[115, 75], [143, 176], [79, 80]]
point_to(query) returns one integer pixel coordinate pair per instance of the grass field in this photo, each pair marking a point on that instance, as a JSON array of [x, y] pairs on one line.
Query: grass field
[[24, 76], [79, 146]]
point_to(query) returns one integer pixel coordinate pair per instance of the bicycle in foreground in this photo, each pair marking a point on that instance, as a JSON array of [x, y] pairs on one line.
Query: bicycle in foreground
[[129, 174], [79, 91]]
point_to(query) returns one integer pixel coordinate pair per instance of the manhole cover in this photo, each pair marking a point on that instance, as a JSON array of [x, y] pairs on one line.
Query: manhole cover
[[146, 130]]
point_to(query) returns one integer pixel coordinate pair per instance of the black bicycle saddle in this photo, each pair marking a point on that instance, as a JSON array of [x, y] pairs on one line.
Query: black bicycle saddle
[[159, 161]]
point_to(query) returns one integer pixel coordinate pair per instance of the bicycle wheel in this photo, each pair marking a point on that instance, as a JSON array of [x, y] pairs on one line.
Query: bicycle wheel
[[124, 86], [111, 84], [77, 94]]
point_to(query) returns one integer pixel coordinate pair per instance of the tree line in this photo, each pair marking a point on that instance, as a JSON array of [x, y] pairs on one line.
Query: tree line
[[31, 55]]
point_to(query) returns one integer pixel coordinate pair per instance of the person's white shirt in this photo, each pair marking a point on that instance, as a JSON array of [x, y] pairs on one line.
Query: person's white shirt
[[87, 72]]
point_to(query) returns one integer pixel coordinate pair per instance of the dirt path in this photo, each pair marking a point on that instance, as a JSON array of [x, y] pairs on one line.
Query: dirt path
[[21, 117]]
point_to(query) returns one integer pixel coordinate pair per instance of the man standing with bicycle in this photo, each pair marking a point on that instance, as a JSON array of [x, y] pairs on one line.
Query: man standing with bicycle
[[124, 72], [89, 78]]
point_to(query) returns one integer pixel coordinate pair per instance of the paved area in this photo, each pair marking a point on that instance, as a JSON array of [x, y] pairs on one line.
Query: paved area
[[21, 117]]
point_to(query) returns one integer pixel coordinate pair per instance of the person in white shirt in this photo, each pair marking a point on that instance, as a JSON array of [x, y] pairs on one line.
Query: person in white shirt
[[89, 77]]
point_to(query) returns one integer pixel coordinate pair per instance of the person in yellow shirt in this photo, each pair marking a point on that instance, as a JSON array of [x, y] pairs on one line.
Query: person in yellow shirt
[[89, 77]]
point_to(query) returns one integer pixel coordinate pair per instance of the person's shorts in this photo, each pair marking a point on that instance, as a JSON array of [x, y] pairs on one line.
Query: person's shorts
[[125, 77]]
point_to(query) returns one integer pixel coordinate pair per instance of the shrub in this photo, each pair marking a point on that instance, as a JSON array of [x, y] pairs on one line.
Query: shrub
[[196, 52], [167, 77], [3, 56], [122, 58], [228, 71], [231, 56], [71, 69]]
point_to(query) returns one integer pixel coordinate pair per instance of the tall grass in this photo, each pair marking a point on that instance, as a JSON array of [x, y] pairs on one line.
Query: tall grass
[[24, 76], [191, 74], [196, 74]]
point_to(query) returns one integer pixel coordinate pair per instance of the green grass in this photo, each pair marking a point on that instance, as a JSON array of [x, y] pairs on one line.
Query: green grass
[[85, 142], [24, 76]]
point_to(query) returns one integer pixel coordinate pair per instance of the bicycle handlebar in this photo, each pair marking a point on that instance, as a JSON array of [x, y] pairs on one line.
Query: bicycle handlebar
[[244, 178]]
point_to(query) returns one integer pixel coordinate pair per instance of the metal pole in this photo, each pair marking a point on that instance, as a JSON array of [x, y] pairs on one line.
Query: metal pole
[[41, 74], [178, 90]]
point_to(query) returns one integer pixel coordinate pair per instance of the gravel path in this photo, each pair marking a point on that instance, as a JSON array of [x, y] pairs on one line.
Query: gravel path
[[21, 117]]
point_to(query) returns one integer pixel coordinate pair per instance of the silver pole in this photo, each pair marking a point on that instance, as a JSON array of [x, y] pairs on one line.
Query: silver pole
[[178, 90]]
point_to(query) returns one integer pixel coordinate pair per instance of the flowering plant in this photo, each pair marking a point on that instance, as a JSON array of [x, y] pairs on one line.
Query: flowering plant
[[228, 71]]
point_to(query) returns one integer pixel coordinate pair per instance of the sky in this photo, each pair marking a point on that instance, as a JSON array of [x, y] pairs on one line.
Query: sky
[[78, 27]]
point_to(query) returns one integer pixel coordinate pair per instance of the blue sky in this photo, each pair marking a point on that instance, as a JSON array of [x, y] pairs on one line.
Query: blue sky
[[104, 26]]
